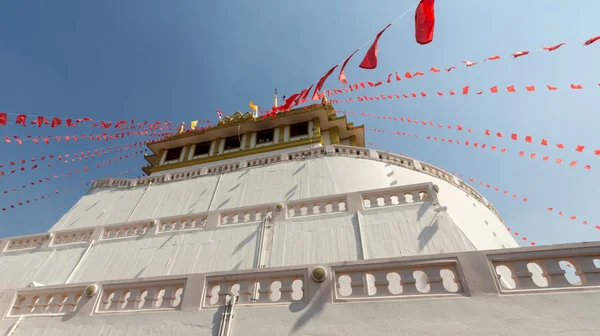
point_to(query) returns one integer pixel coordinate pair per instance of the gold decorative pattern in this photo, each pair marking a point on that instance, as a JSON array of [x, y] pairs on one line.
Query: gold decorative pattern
[[236, 118]]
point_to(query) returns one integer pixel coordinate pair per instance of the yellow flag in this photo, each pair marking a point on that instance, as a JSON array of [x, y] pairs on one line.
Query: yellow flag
[[253, 107], [193, 124]]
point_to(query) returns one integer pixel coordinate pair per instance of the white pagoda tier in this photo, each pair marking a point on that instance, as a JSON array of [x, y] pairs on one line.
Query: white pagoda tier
[[290, 226]]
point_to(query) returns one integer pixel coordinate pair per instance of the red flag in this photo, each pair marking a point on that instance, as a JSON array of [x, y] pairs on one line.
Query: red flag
[[544, 142], [56, 122], [576, 86], [304, 94], [592, 40], [450, 68], [398, 77], [370, 60], [22, 119], [510, 88], [70, 123], [494, 89], [579, 148], [469, 64], [514, 136], [492, 58], [408, 75], [434, 70], [530, 88], [554, 47], [321, 82], [425, 21], [342, 76], [552, 88], [465, 90], [289, 101], [3, 118], [528, 138], [519, 54]]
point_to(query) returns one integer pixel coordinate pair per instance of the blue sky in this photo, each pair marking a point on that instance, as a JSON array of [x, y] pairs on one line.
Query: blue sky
[[182, 60]]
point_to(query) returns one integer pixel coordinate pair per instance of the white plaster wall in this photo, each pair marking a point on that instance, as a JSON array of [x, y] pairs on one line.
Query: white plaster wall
[[408, 230], [228, 248], [316, 239], [286, 181], [48, 267], [572, 314], [101, 206]]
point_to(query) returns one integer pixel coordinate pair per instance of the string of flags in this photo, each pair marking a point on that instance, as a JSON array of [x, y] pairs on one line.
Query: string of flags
[[86, 169], [57, 192], [39, 121], [466, 90], [394, 77], [481, 183], [68, 158], [512, 136], [468, 143], [15, 139]]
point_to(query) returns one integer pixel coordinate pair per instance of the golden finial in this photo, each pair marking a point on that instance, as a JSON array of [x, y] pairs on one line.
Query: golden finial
[[324, 99]]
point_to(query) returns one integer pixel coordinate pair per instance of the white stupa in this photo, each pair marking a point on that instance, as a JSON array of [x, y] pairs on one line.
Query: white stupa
[[290, 226]]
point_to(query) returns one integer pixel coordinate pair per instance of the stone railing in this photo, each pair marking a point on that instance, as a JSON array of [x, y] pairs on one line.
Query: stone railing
[[332, 150], [536, 270], [326, 205]]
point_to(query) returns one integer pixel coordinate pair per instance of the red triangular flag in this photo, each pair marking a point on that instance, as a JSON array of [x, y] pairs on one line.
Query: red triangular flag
[[21, 119], [370, 60], [424, 21], [3, 118], [342, 76]]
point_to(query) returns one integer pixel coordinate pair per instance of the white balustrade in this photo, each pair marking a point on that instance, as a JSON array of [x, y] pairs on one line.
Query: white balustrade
[[141, 296], [26, 242], [73, 236], [351, 151], [47, 301], [309, 153], [544, 270], [246, 215], [257, 288], [264, 160], [124, 230], [395, 196], [396, 280], [437, 172], [180, 223], [317, 206], [396, 159], [223, 168]]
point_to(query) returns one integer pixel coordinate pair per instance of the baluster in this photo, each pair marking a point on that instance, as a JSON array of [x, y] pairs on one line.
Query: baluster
[[587, 270], [264, 291], [244, 292], [416, 196], [224, 290], [29, 304], [381, 283], [134, 299], [555, 275], [521, 274], [118, 299], [41, 304], [435, 280], [70, 303], [151, 299], [408, 282], [358, 284], [286, 289], [169, 297]]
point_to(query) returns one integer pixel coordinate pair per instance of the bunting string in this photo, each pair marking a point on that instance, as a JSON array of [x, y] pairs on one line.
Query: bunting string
[[466, 90], [62, 191], [394, 77], [513, 136], [484, 184], [478, 145], [85, 169], [68, 158], [15, 139]]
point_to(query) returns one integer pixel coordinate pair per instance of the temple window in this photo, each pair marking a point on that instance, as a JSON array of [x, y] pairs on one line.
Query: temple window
[[232, 142], [298, 130], [173, 155], [264, 137], [202, 149]]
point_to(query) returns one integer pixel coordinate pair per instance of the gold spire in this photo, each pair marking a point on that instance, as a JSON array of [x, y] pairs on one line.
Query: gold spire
[[275, 99], [324, 99]]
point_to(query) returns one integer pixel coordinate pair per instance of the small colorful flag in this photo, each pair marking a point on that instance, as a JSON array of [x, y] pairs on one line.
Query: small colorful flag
[[193, 124], [220, 114]]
